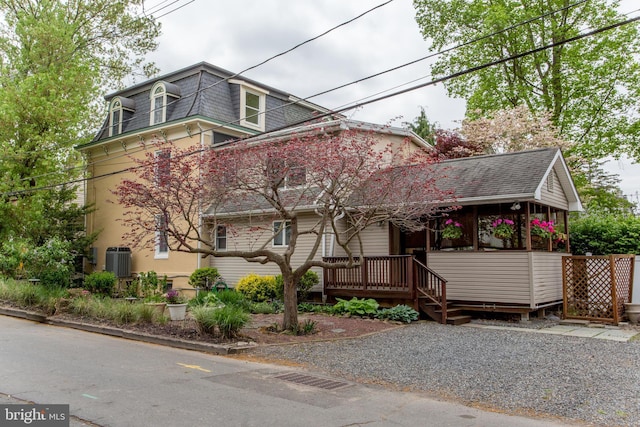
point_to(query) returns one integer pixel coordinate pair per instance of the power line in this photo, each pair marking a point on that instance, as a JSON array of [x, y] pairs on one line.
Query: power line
[[420, 86]]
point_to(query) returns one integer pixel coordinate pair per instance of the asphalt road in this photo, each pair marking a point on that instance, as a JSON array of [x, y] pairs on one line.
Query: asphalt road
[[116, 382]]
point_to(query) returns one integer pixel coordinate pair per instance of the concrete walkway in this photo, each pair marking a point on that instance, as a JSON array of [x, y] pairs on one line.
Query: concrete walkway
[[586, 330]]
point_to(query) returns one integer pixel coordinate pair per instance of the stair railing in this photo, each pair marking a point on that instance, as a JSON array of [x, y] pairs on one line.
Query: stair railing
[[431, 286]]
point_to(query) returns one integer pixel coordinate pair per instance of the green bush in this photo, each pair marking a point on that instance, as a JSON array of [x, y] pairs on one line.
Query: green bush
[[228, 320], [257, 288], [205, 278], [604, 235], [262, 308], [399, 313], [52, 263], [232, 297], [357, 307], [308, 307], [307, 282], [100, 282]]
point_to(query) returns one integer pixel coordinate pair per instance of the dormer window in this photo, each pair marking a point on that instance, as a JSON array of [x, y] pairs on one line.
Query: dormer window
[[253, 101], [161, 94], [115, 118], [120, 110]]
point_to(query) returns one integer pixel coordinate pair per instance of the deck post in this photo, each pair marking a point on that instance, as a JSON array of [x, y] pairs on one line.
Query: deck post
[[363, 273], [413, 286]]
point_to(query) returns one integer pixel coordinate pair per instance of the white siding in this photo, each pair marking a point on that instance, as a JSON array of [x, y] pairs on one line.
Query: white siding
[[375, 240], [547, 276], [492, 277], [555, 197], [530, 278], [243, 237]]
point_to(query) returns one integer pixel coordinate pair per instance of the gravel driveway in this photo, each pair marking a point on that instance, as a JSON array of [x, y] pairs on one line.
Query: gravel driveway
[[583, 379]]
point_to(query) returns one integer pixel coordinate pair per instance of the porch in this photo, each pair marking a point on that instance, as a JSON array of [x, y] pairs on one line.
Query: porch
[[397, 278]]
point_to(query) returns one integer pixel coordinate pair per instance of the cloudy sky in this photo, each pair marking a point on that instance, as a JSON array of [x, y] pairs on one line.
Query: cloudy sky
[[239, 34]]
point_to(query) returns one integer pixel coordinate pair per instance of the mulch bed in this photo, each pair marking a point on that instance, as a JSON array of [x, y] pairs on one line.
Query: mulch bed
[[259, 330]]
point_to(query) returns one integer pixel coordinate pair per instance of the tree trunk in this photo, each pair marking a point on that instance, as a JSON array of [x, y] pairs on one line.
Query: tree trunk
[[290, 321]]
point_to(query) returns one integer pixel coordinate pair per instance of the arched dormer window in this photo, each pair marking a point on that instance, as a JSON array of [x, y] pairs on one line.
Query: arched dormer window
[[160, 101], [121, 110], [115, 117], [158, 104]]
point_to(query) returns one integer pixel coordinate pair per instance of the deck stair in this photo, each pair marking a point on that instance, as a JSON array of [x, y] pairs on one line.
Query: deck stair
[[455, 316]]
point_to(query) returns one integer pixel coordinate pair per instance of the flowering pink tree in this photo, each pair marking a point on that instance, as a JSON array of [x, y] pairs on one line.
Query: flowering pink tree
[[323, 181]]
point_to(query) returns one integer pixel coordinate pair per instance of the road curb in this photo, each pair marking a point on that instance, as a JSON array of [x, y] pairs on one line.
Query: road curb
[[130, 335]]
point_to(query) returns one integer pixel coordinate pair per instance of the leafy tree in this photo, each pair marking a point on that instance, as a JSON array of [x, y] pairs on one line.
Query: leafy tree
[[55, 58], [590, 87], [422, 127], [343, 179]]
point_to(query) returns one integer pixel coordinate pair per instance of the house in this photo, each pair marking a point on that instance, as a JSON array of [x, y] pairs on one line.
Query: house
[[201, 104], [529, 192]]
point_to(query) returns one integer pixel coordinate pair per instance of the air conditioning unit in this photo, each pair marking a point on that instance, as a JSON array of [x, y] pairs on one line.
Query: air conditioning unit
[[118, 261]]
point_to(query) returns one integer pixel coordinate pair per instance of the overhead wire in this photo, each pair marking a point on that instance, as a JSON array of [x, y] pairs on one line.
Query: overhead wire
[[451, 48], [422, 85]]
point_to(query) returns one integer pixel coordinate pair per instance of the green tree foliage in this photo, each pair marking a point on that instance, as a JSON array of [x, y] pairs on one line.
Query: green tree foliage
[[590, 87], [605, 234], [55, 58], [422, 127]]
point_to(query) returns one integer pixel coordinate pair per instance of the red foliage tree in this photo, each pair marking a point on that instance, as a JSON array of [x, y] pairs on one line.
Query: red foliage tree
[[345, 179]]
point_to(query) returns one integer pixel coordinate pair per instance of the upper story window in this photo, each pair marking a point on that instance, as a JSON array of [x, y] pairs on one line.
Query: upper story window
[[162, 167], [121, 110], [163, 95], [285, 174], [253, 101], [115, 118]]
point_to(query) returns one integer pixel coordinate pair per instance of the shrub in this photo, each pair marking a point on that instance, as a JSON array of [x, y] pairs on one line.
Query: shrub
[[308, 327], [230, 320], [262, 308], [205, 320], [399, 313], [100, 282], [257, 288], [307, 307], [308, 280], [355, 306], [52, 263], [205, 277], [605, 235]]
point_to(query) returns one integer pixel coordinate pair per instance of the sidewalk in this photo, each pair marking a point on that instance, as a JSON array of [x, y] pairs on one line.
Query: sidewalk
[[572, 329]]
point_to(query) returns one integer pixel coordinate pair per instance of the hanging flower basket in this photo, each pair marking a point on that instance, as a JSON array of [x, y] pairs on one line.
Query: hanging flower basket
[[543, 229], [452, 230], [503, 228]]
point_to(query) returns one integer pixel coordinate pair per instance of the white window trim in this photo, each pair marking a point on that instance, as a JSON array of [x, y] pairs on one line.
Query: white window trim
[[262, 103], [158, 253], [112, 109], [226, 238], [152, 109], [156, 173], [285, 242]]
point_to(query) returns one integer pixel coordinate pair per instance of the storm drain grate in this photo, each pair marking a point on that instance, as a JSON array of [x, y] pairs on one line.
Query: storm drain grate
[[312, 381]]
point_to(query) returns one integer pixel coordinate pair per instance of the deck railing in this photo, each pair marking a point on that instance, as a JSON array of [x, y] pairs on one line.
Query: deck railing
[[432, 287], [389, 276]]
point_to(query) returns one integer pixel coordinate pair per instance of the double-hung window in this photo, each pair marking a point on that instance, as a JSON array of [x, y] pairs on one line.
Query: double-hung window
[[115, 118], [162, 243], [253, 101], [221, 238], [281, 233], [162, 171], [158, 104]]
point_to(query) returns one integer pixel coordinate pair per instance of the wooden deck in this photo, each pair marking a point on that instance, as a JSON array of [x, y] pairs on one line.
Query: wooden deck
[[393, 277]]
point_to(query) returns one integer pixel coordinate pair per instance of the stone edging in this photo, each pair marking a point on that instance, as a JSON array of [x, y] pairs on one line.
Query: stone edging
[[120, 333]]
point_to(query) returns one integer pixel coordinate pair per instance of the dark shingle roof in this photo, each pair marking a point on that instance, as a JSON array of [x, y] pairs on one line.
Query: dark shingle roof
[[203, 91], [499, 175]]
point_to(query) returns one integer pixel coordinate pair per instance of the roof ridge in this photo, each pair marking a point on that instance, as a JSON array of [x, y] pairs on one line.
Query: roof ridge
[[509, 153]]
